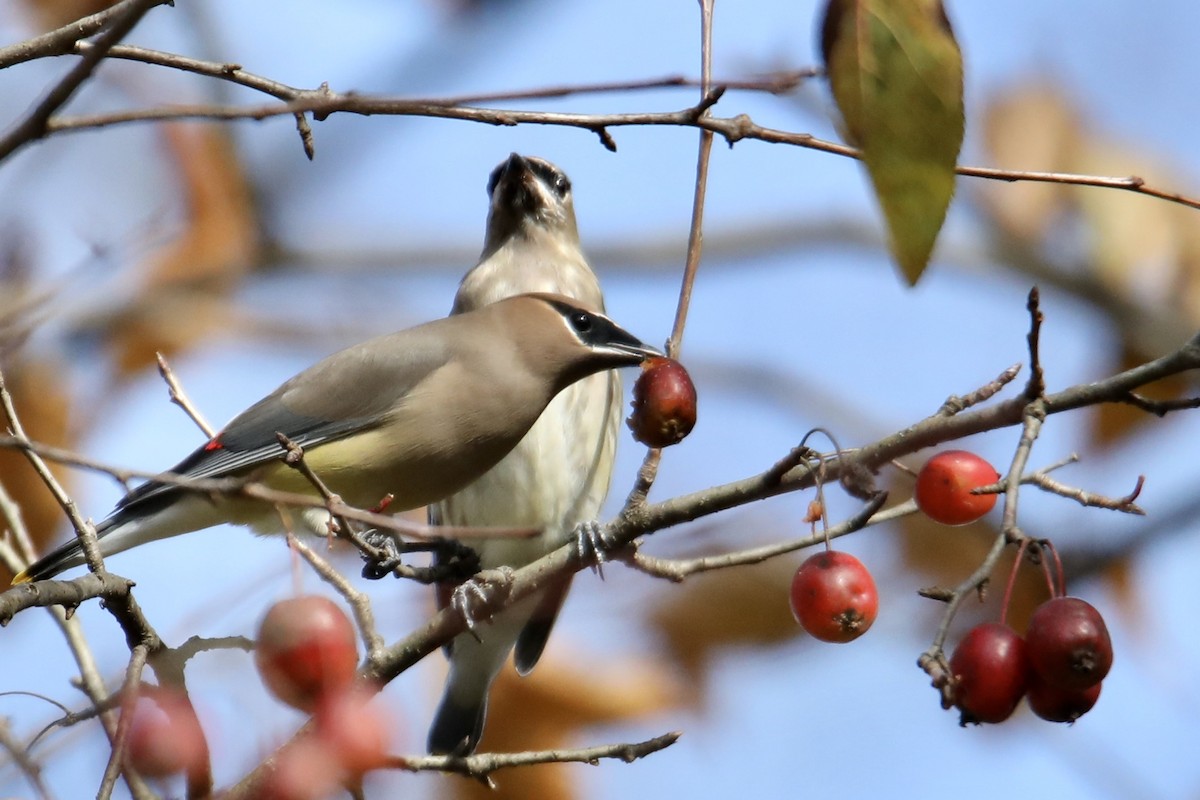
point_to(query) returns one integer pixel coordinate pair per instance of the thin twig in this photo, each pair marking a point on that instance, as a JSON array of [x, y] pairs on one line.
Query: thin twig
[[129, 698], [35, 125], [28, 767], [481, 765], [1037, 379], [954, 404], [323, 103], [1160, 408], [780, 82], [179, 397], [359, 603], [83, 529], [678, 570], [1124, 504]]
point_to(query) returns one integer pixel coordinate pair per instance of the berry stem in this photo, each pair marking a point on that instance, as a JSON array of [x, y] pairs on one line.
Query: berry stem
[[1058, 568], [1012, 580]]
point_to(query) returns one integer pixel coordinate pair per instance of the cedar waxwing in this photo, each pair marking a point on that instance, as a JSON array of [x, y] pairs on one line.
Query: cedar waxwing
[[417, 414], [558, 475]]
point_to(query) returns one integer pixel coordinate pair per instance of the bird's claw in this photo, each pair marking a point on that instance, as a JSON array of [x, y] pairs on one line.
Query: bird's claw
[[594, 544], [385, 564], [473, 595]]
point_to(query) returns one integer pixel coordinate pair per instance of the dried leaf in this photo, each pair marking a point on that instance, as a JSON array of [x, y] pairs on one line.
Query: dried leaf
[[38, 392], [897, 77], [712, 612], [1032, 127]]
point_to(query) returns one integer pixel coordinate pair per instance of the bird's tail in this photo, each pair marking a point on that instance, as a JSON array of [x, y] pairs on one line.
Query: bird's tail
[[60, 559], [130, 526], [458, 724]]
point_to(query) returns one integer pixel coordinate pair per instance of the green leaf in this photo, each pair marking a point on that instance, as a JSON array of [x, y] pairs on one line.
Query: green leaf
[[897, 76]]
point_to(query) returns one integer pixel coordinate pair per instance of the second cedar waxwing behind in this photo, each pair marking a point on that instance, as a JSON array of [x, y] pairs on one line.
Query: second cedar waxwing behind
[[558, 476], [417, 415]]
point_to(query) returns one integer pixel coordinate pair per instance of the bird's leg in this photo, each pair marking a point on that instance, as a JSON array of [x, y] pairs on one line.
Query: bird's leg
[[453, 560], [473, 595]]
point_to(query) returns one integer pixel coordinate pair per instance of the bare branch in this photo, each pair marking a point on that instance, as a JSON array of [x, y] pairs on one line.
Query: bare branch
[[481, 765], [62, 40], [129, 696], [28, 767], [180, 398], [678, 569], [322, 103], [36, 124]]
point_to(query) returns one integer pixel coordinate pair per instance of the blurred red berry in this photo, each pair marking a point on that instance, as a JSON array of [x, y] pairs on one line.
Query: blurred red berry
[[1056, 704], [164, 735], [305, 649]]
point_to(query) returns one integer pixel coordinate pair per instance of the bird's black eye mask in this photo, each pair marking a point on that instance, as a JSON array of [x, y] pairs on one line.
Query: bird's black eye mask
[[551, 177], [594, 329]]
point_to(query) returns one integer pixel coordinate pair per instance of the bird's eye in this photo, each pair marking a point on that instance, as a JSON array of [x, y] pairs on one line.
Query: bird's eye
[[562, 185], [581, 321]]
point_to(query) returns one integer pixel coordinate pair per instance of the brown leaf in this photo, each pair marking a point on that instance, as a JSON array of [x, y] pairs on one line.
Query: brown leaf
[[1031, 127], [713, 612], [37, 389]]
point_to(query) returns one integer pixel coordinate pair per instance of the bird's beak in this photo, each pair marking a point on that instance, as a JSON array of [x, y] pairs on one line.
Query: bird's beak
[[516, 168], [633, 349]]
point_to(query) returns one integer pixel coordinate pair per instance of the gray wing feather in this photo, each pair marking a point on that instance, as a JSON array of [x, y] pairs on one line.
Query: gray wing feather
[[350, 391]]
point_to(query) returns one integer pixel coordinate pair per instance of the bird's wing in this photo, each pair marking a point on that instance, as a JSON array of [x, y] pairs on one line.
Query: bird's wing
[[350, 391]]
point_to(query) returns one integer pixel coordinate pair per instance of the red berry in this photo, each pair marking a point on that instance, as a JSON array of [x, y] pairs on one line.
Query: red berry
[[990, 669], [664, 403], [944, 485], [164, 735], [306, 648], [1069, 645], [305, 770], [1056, 704], [354, 731], [833, 597]]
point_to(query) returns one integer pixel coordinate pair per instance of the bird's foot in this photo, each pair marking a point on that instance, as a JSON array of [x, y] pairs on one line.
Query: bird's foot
[[387, 557], [472, 597], [453, 561], [595, 544]]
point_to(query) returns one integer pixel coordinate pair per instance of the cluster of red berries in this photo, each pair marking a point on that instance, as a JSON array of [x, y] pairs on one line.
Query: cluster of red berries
[[1066, 651], [1057, 666], [307, 657]]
